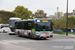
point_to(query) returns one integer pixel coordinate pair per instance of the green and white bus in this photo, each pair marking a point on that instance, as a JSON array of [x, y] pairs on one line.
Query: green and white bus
[[34, 28]]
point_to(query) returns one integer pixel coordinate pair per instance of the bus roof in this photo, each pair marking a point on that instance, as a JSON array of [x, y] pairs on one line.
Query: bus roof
[[26, 20], [14, 18], [43, 19], [33, 19]]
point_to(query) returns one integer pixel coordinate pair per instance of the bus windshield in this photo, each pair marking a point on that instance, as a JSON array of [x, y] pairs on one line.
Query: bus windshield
[[43, 26]]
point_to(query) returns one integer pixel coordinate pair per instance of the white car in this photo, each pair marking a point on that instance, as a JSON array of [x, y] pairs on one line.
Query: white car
[[4, 30], [1, 26], [1, 31], [6, 25]]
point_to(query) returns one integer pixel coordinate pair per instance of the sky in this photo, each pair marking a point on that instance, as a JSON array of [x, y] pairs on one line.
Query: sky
[[48, 6]]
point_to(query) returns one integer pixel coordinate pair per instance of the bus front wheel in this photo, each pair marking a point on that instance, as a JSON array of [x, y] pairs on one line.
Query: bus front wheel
[[44, 38]]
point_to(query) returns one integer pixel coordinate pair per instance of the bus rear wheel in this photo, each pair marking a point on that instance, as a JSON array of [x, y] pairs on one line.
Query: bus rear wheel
[[19, 34], [30, 36]]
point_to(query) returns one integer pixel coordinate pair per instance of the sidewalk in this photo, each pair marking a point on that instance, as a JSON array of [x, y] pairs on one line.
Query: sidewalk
[[69, 35]]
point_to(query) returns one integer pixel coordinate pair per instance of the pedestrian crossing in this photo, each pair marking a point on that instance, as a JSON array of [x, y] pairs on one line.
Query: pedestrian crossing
[[35, 41]]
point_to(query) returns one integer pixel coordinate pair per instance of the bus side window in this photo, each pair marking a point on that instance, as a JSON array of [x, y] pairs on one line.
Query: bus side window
[[25, 25], [16, 25], [36, 25]]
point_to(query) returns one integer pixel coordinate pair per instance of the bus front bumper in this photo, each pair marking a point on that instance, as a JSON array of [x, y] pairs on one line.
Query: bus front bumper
[[38, 36], [11, 32]]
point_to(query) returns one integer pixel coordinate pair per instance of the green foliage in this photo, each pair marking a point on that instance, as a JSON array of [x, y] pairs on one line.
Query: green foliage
[[5, 15], [0, 19], [59, 24], [59, 32], [22, 12], [39, 14], [71, 22], [60, 14], [63, 32]]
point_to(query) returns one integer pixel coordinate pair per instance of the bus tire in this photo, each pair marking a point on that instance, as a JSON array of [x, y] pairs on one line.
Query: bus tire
[[29, 36], [9, 34], [19, 34], [23, 35], [44, 38]]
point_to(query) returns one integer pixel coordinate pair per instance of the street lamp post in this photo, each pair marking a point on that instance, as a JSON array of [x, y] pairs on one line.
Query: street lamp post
[[67, 20]]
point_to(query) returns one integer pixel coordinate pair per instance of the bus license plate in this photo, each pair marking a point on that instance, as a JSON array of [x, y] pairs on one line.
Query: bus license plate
[[42, 34], [46, 34]]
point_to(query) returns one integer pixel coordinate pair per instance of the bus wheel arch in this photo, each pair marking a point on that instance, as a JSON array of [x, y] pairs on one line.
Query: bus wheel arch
[[29, 34], [19, 34]]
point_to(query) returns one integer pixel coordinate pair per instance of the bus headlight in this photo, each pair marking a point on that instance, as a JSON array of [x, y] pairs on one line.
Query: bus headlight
[[10, 26], [37, 34], [51, 33]]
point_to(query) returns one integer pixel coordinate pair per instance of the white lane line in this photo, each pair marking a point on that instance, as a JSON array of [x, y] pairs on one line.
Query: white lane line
[[18, 41], [64, 40], [4, 42], [14, 46], [24, 41], [34, 41], [9, 41], [20, 47]]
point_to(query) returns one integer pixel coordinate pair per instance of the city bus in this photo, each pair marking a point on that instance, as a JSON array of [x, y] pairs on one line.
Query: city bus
[[34, 28], [12, 24]]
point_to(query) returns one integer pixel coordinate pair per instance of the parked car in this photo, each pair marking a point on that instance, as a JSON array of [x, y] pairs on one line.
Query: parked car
[[1, 26], [1, 31], [5, 25], [4, 30]]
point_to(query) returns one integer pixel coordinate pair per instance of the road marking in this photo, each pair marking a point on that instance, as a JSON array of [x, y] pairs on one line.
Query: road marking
[[4, 42], [35, 41], [9, 41], [20, 47], [3, 33], [59, 40], [7, 45]]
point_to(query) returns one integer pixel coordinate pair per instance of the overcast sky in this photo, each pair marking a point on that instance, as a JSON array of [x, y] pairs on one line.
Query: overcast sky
[[49, 6]]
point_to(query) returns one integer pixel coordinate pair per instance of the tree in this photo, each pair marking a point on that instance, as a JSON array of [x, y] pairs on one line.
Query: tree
[[5, 15], [22, 12], [59, 15], [0, 20], [61, 23], [71, 22], [40, 14]]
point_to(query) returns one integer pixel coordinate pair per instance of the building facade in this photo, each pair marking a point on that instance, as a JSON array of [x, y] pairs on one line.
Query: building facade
[[71, 14]]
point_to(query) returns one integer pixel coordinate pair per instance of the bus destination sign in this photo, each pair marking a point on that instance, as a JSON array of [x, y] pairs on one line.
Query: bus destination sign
[[44, 20]]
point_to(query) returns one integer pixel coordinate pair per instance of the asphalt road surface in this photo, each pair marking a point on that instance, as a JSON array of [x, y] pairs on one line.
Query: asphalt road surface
[[13, 42]]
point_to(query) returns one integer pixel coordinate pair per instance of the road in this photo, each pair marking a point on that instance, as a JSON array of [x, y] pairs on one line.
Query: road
[[13, 42]]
